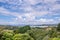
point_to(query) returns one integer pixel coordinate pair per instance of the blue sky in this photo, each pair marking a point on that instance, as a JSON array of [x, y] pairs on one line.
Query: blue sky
[[15, 12]]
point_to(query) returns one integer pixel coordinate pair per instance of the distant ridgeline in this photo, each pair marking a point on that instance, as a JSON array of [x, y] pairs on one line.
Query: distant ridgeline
[[44, 25], [41, 25]]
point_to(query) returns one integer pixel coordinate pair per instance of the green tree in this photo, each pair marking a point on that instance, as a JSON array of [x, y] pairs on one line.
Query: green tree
[[7, 35], [52, 33], [58, 27], [22, 37], [16, 31], [8, 39], [37, 34], [24, 29], [1, 34], [56, 39]]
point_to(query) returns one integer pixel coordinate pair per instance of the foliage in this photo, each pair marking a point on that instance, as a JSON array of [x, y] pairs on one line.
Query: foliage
[[16, 31], [54, 39], [58, 28], [29, 33], [22, 37], [37, 34], [8, 39], [7, 35], [53, 33], [24, 29]]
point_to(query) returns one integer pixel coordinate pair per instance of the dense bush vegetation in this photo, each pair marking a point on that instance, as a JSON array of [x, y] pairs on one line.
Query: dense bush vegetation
[[58, 28], [22, 37], [29, 33]]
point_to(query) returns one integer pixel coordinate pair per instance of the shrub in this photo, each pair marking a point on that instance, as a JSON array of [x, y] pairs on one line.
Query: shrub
[[22, 37]]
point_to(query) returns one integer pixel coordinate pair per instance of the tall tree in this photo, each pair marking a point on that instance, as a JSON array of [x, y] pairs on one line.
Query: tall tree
[[58, 27], [24, 29], [22, 37]]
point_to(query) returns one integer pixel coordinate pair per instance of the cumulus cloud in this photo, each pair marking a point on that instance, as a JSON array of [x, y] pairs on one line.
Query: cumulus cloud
[[26, 11]]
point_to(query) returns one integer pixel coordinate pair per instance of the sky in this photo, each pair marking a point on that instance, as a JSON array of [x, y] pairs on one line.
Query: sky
[[29, 12]]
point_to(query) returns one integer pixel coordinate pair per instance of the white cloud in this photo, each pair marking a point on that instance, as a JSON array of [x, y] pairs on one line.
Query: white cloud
[[45, 20], [30, 12], [34, 1], [56, 7], [49, 1], [6, 12]]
